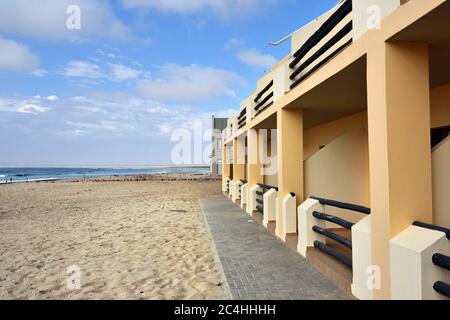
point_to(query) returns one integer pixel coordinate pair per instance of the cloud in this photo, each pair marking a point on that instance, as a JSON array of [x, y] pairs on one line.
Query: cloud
[[254, 58], [189, 83], [89, 71], [28, 105], [47, 19], [83, 69], [52, 98], [39, 73], [223, 8], [121, 73], [17, 57], [234, 43]]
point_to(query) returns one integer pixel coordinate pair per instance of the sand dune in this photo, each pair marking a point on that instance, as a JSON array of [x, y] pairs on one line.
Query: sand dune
[[130, 240]]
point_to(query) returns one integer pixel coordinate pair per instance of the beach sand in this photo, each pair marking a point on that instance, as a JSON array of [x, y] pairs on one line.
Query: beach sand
[[130, 240]]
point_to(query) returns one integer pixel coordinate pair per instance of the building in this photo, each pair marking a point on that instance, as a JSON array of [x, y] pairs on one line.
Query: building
[[218, 125], [343, 149]]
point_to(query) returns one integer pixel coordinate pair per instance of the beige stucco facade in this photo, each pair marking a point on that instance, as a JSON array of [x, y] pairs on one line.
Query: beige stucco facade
[[355, 126]]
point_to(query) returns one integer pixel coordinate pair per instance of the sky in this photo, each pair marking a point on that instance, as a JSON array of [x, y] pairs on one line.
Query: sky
[[113, 89]]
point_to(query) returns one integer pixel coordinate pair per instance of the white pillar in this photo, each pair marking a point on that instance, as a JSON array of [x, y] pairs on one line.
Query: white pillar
[[270, 206], [306, 221], [289, 216], [362, 258], [412, 270], [244, 195], [236, 196], [251, 205]]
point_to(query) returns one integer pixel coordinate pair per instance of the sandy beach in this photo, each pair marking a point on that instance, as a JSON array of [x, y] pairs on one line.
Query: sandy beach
[[129, 239]]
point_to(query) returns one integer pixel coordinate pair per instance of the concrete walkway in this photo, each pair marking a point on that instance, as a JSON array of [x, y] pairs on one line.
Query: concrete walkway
[[258, 266]]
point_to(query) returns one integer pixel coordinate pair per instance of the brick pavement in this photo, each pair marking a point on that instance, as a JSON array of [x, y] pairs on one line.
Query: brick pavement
[[256, 265]]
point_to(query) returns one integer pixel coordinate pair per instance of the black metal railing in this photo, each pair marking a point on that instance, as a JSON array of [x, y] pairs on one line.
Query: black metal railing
[[260, 201], [338, 221], [265, 102], [441, 260], [263, 105], [332, 252], [242, 118], [442, 287], [240, 187], [342, 205], [228, 184], [326, 28], [438, 259], [267, 187], [260, 196], [263, 91], [433, 227]]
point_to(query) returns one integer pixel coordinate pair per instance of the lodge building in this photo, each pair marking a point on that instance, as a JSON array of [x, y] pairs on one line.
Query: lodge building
[[355, 121]]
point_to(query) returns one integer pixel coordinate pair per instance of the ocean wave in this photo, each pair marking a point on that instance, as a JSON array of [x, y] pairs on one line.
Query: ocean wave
[[2, 176]]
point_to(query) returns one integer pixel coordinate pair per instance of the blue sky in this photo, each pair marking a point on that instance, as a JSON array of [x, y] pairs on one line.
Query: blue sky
[[113, 92]]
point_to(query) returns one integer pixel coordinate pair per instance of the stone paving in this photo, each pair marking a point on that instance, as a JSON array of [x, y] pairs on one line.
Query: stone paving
[[257, 266]]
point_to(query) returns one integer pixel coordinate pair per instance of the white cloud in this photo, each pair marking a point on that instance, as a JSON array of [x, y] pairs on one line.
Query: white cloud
[[52, 98], [89, 71], [222, 8], [234, 43], [32, 108], [39, 73], [255, 58], [83, 69], [46, 19], [17, 105], [188, 83], [16, 57], [121, 73]]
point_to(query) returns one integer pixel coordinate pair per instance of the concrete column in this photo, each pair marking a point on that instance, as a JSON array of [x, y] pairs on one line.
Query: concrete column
[[238, 161], [226, 165], [290, 166], [399, 146], [254, 172]]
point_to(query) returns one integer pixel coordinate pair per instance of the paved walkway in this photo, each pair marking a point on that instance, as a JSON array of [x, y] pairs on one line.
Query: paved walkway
[[258, 266]]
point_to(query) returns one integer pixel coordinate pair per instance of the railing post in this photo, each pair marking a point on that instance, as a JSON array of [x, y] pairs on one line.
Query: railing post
[[251, 205], [270, 206], [306, 221], [236, 196], [244, 195], [362, 258], [289, 215], [413, 273]]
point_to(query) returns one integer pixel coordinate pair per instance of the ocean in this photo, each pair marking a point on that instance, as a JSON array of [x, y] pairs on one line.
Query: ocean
[[43, 174]]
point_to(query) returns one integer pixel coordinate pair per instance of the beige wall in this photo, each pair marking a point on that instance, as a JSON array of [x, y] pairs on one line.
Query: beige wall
[[322, 135], [440, 106], [340, 171], [441, 184]]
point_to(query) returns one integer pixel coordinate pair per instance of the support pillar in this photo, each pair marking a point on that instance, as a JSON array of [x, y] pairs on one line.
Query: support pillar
[[290, 167], [399, 146], [254, 172]]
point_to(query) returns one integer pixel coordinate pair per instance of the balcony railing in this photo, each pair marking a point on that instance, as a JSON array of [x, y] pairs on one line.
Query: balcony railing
[[439, 259], [264, 98], [340, 222], [327, 51], [242, 118]]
